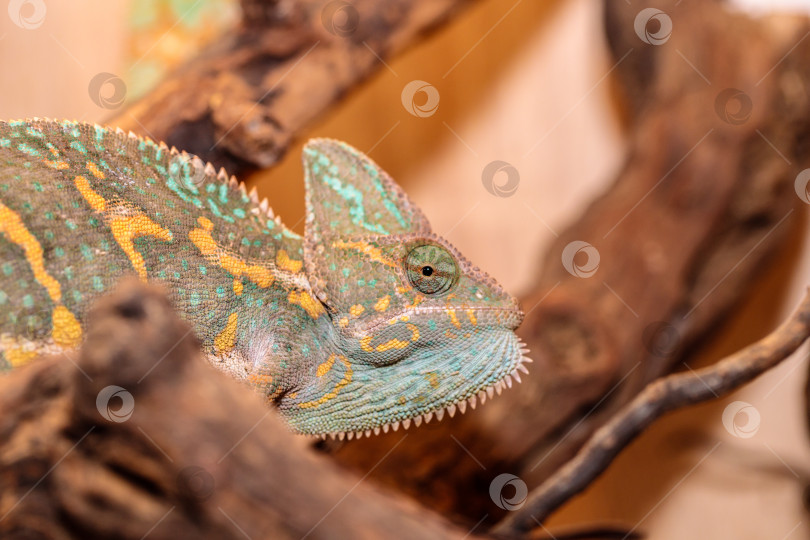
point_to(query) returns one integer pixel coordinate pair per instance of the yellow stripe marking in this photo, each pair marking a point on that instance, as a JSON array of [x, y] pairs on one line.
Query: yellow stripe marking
[[454, 318], [284, 262], [95, 200], [125, 228], [17, 354], [58, 165], [374, 253], [93, 168], [304, 299], [347, 378], [66, 330], [12, 225], [383, 303], [226, 339], [202, 238], [365, 343]]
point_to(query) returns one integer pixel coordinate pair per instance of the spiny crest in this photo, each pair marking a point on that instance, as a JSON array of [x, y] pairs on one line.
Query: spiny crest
[[133, 140]]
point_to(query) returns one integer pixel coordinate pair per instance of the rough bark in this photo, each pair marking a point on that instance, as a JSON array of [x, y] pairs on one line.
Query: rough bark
[[193, 455], [705, 197], [240, 102]]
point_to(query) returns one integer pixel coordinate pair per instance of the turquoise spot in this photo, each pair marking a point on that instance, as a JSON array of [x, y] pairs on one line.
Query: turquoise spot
[[8, 269], [98, 284], [87, 253], [5, 143], [194, 299], [346, 272], [214, 208], [48, 215], [27, 149], [78, 146], [77, 295], [70, 225], [28, 301], [59, 252], [432, 324], [37, 186], [69, 273], [239, 212], [184, 264]]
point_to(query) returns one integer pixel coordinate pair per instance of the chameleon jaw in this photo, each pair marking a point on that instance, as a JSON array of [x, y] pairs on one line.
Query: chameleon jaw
[[484, 393]]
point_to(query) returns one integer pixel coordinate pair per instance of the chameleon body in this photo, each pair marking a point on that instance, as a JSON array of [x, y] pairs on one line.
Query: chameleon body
[[368, 321]]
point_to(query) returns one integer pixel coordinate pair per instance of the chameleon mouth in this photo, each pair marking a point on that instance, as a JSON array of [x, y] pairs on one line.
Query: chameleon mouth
[[481, 395]]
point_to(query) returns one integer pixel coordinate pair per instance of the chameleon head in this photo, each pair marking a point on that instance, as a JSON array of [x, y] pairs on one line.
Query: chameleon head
[[417, 330]]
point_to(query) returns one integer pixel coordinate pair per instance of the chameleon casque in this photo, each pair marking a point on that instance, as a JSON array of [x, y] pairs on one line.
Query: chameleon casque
[[368, 321]]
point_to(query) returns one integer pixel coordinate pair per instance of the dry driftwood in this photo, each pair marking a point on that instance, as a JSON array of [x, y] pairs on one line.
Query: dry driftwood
[[705, 197], [199, 457], [659, 397], [239, 103]]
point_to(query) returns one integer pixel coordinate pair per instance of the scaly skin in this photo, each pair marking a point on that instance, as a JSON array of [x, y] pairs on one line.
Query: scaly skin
[[368, 321]]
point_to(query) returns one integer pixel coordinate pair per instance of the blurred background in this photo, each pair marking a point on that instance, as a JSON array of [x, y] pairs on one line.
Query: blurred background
[[528, 83]]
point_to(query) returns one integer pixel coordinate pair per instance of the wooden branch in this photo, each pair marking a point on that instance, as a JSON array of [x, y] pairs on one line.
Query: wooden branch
[[662, 396], [139, 437], [701, 204], [240, 103]]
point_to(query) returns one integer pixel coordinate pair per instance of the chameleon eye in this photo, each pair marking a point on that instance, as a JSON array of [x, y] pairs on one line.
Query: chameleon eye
[[431, 269]]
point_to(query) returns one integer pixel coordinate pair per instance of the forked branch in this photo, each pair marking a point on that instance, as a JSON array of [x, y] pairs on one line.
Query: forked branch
[[664, 395]]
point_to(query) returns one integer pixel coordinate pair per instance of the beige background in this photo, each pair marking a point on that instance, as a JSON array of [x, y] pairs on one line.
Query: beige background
[[525, 83]]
